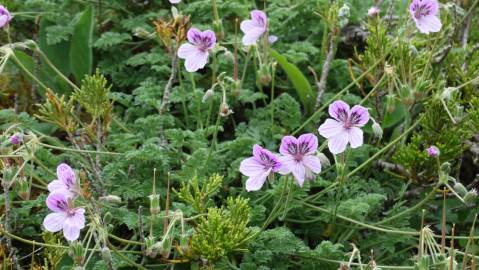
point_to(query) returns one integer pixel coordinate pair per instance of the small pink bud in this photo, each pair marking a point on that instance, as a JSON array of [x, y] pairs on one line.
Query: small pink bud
[[16, 138], [433, 151], [373, 11]]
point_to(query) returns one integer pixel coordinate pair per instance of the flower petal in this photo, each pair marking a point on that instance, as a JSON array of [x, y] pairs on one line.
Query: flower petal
[[287, 143], [308, 143], [248, 25], [337, 144], [339, 110], [255, 183], [355, 135], [252, 36], [209, 38], [429, 24], [299, 173], [330, 128], [70, 231], [359, 116], [259, 17], [194, 35], [56, 185], [78, 218], [66, 174], [194, 57], [53, 222], [287, 164], [313, 163], [251, 166], [57, 202]]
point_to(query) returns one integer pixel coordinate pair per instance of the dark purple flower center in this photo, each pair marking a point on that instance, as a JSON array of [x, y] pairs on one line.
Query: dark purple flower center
[[268, 161], [62, 205], [203, 42], [298, 151], [422, 9]]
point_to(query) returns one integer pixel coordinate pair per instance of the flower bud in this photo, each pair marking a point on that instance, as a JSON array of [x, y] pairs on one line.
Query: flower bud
[[264, 75], [77, 252], [16, 138], [110, 199], [460, 189], [377, 130], [23, 186], [229, 56], [151, 247], [448, 92], [184, 243], [373, 11], [323, 159], [433, 151], [141, 33], [470, 198], [106, 255], [209, 93], [154, 204], [218, 29], [165, 246]]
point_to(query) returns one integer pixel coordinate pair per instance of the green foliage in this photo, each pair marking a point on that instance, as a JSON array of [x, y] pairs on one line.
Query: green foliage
[[199, 197], [94, 95], [81, 54], [223, 231]]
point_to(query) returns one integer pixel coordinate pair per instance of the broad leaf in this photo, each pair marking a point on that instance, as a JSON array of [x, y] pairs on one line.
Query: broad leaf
[[81, 55]]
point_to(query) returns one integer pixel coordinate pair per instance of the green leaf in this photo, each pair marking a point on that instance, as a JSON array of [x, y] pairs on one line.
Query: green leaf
[[394, 117], [81, 55], [300, 83]]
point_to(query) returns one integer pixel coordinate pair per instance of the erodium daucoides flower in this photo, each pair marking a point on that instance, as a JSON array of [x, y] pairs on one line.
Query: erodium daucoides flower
[[5, 16], [253, 29], [299, 157], [425, 14], [66, 182], [196, 52], [64, 217], [259, 167], [345, 127]]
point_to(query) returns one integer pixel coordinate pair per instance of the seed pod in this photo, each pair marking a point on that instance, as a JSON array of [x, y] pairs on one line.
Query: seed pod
[[106, 255], [323, 159], [460, 189], [77, 252], [154, 204]]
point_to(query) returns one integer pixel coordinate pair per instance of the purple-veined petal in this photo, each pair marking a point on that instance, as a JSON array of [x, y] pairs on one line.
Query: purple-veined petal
[[210, 38], [429, 24], [251, 166], [265, 157], [57, 202], [308, 143], [338, 143], [194, 35], [78, 218], [299, 173], [339, 110], [287, 143], [359, 116], [330, 128], [194, 57], [355, 135], [259, 17], [66, 174], [57, 185], [313, 163], [248, 25], [255, 183], [309, 174], [53, 222], [287, 164], [70, 231], [252, 36]]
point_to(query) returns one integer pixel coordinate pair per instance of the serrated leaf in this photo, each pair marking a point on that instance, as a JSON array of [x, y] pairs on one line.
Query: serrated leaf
[[301, 84], [81, 55]]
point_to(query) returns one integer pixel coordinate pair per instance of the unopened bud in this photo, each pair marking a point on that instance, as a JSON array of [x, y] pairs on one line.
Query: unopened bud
[[433, 151], [106, 255], [218, 28], [470, 198], [229, 56], [373, 11], [209, 93], [447, 93], [141, 33], [154, 204], [264, 75], [323, 159], [76, 252], [23, 186], [16, 138], [184, 243], [460, 189], [165, 246], [377, 130], [110, 199]]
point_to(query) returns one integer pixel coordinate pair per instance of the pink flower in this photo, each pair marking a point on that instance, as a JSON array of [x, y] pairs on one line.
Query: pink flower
[[66, 183], [345, 127], [259, 167], [175, 1], [196, 52], [425, 14], [5, 16], [433, 151], [16, 138], [373, 11], [64, 217], [298, 157], [254, 28]]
